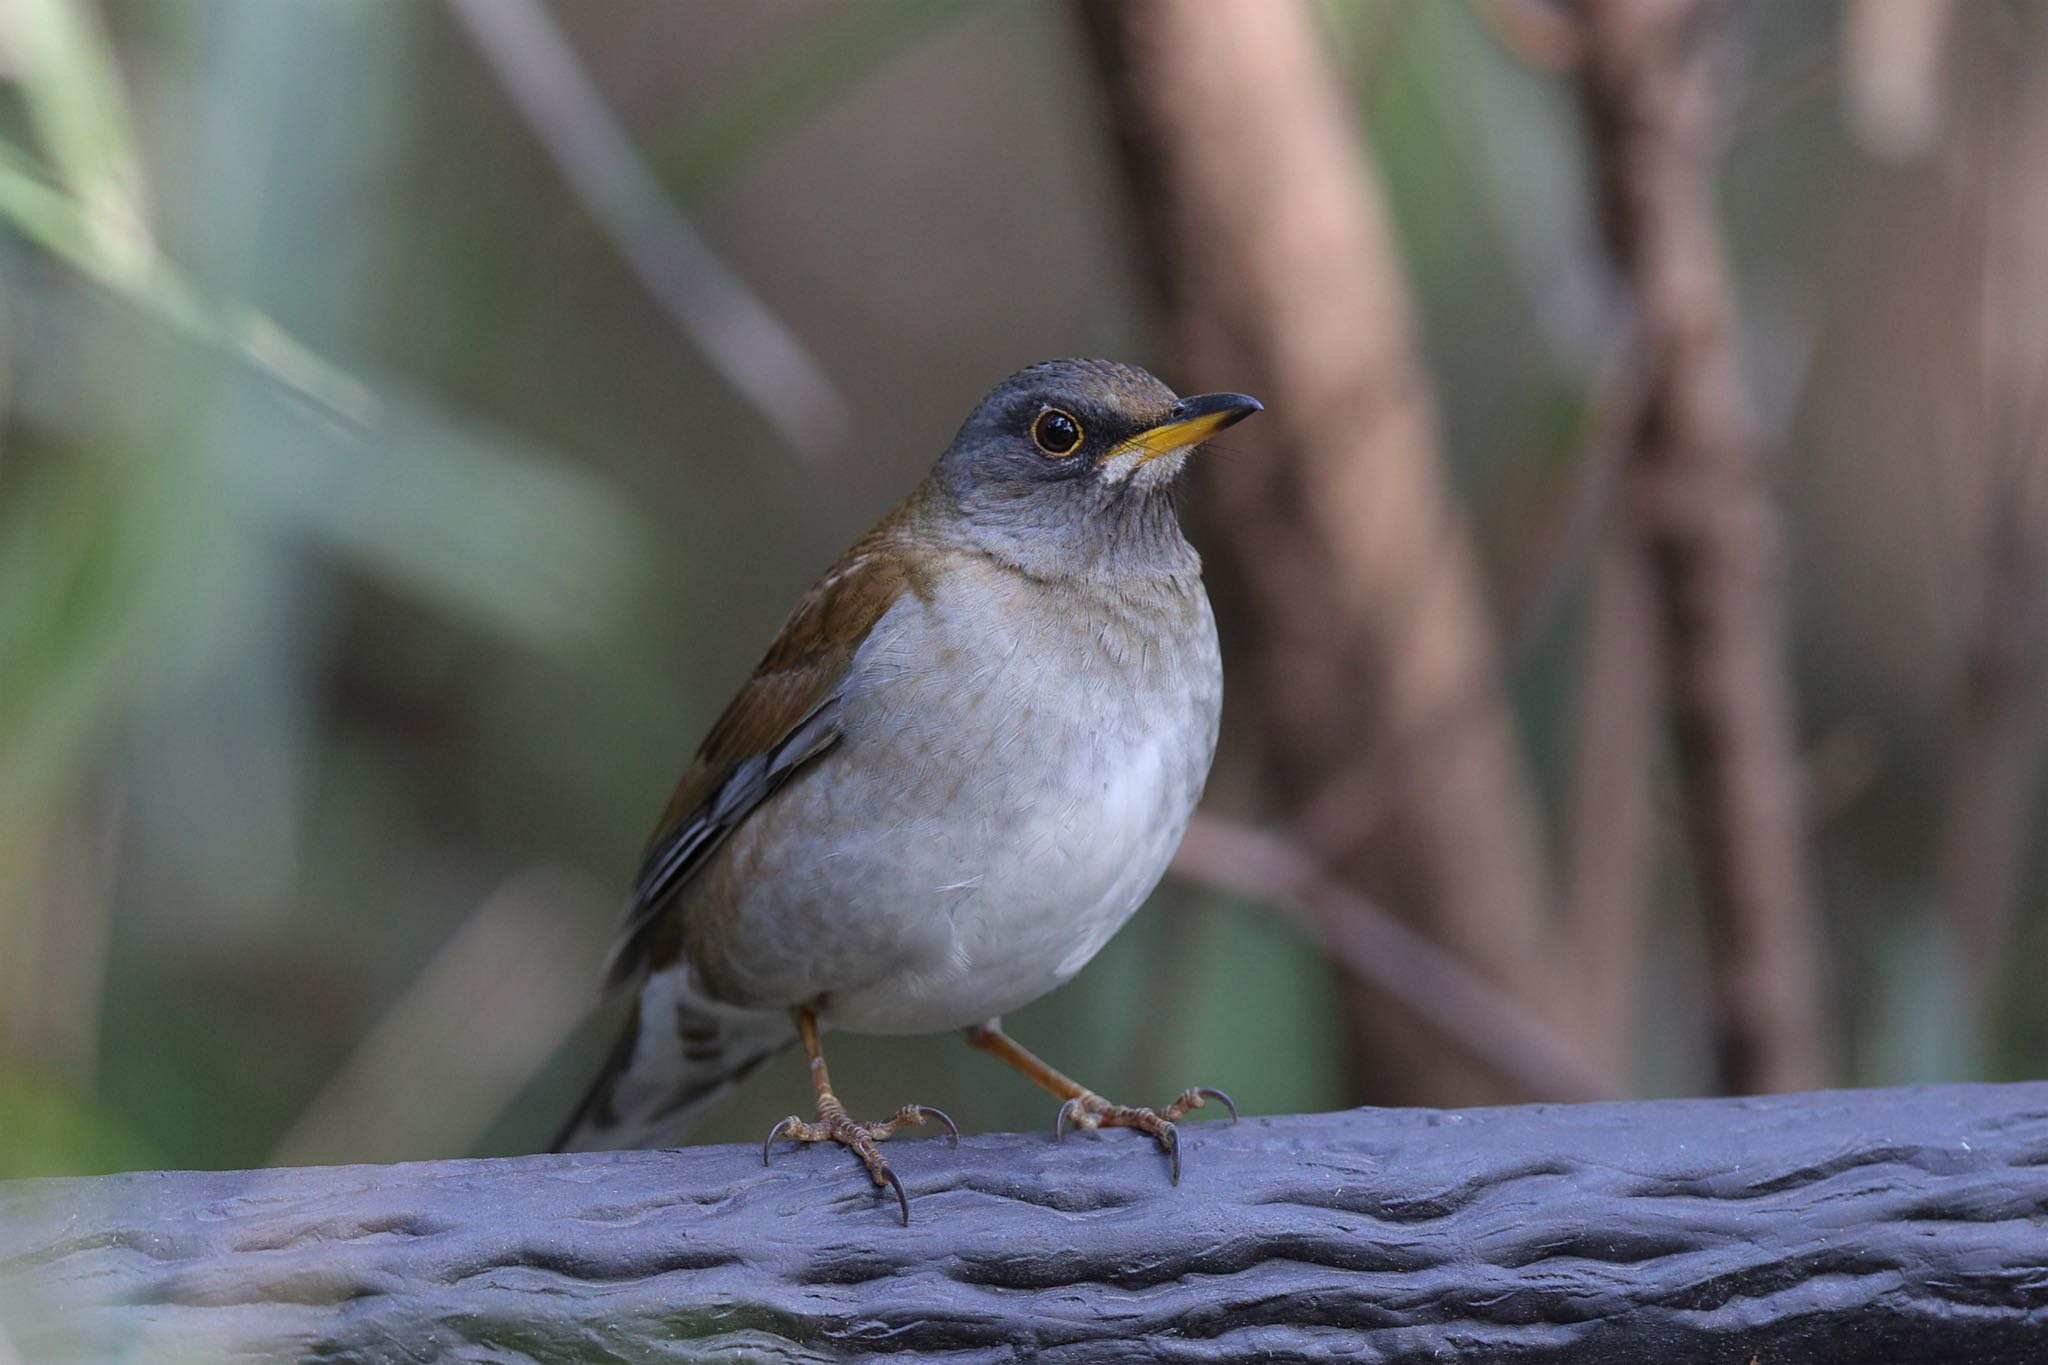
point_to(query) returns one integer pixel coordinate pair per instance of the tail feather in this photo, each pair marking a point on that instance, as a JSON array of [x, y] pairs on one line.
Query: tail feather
[[679, 1054]]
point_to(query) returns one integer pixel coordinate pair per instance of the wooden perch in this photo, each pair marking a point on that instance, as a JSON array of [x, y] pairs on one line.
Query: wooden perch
[[1896, 1225]]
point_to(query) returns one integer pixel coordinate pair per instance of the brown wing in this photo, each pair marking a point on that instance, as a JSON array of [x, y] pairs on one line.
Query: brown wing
[[786, 715]]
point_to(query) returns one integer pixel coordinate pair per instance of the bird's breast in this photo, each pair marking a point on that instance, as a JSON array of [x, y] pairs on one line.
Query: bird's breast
[[1018, 765]]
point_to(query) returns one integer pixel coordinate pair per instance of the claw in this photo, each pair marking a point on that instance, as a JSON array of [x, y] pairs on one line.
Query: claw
[[925, 1111], [1059, 1125], [860, 1138], [1090, 1111], [777, 1131], [889, 1175]]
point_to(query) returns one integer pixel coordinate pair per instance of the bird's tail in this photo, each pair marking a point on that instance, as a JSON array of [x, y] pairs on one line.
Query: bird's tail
[[679, 1055]]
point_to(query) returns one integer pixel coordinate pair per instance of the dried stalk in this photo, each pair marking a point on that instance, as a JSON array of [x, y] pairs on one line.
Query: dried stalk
[[1378, 951], [2001, 711], [1607, 858], [1699, 505]]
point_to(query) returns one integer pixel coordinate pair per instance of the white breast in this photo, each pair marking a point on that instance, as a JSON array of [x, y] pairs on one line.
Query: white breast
[[985, 829]]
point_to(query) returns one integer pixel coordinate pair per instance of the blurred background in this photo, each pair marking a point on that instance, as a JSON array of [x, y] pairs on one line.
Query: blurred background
[[415, 418]]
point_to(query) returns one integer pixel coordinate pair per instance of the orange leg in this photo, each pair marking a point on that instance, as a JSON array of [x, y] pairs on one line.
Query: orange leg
[[1084, 1107], [834, 1124]]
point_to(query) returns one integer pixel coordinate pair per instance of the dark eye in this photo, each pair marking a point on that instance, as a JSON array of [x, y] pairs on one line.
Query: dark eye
[[1056, 433]]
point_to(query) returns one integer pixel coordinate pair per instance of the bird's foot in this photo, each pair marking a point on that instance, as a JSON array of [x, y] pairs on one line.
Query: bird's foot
[[1090, 1110], [834, 1124]]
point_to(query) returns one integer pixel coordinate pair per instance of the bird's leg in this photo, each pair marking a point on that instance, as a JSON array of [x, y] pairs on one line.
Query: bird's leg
[[1086, 1109], [834, 1124]]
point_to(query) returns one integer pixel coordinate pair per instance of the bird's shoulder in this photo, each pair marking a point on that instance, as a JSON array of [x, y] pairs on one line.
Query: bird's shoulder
[[813, 651], [782, 717]]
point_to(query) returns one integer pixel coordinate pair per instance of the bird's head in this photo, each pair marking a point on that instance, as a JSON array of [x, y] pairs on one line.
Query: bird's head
[[1074, 460]]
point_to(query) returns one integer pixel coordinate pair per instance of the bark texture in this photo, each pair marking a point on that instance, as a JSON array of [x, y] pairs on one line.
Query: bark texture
[[1899, 1226]]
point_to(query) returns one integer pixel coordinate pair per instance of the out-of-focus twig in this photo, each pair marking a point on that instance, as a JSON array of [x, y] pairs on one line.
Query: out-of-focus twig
[[1535, 31], [500, 996], [1697, 502], [1374, 947], [2001, 711], [1349, 805], [1893, 53], [1607, 821], [700, 293], [1270, 249], [54, 946]]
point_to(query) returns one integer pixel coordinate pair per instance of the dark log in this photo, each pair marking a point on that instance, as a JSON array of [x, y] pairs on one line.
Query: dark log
[[1886, 1225]]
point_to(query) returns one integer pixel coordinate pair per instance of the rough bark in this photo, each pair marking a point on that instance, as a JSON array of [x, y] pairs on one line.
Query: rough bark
[[1352, 601], [1899, 1226], [1698, 502]]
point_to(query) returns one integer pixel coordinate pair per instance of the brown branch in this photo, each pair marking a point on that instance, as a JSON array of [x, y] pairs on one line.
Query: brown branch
[[1607, 860], [2001, 710], [1349, 805], [1379, 951], [1698, 503], [1893, 55], [1270, 250]]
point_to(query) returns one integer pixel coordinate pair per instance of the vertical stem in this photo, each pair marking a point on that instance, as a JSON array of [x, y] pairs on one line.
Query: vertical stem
[[1698, 502], [1607, 863], [2001, 710]]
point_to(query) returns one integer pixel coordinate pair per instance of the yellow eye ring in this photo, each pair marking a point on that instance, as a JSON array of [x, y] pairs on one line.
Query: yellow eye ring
[[1056, 433]]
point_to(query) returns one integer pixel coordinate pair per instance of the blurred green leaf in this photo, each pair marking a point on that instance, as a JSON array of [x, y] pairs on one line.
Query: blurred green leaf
[[75, 546], [444, 510], [61, 225], [50, 1131], [72, 87], [511, 539]]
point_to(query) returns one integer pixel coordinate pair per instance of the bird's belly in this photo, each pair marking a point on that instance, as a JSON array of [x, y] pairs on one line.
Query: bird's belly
[[1035, 907], [974, 847]]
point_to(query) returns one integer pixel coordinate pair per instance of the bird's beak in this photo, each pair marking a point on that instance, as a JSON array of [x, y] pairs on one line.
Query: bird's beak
[[1189, 422]]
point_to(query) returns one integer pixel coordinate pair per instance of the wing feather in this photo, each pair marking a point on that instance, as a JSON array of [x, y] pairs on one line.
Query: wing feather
[[784, 718]]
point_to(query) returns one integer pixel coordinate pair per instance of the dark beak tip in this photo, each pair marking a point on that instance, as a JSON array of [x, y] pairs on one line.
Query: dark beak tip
[[1237, 406]]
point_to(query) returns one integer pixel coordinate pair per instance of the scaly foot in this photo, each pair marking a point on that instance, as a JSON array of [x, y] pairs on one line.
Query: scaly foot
[[836, 1125], [1090, 1110]]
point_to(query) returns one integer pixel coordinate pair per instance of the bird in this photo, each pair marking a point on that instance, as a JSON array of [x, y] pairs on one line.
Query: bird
[[962, 765]]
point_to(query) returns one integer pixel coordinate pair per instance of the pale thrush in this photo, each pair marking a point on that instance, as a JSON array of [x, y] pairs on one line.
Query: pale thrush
[[962, 765]]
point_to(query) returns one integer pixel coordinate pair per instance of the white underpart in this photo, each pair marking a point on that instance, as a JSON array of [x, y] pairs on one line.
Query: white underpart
[[986, 830]]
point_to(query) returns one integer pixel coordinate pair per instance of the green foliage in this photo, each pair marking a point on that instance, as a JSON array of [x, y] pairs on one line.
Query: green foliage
[[49, 1131]]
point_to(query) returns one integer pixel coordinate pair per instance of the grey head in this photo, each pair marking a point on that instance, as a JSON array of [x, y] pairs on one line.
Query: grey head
[[1067, 469]]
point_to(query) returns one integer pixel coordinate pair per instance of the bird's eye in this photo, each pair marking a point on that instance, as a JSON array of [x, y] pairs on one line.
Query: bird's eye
[[1056, 433]]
